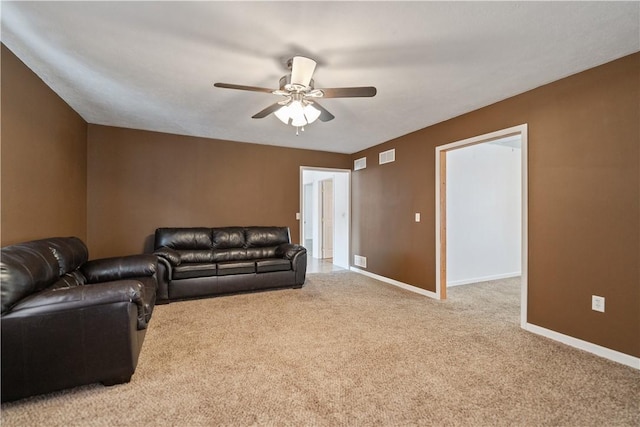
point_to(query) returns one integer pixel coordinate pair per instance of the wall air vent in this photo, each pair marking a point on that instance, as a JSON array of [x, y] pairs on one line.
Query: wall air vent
[[359, 164], [387, 156], [360, 261]]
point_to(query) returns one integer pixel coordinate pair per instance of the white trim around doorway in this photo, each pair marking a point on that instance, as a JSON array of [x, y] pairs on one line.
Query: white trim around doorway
[[348, 189], [440, 159]]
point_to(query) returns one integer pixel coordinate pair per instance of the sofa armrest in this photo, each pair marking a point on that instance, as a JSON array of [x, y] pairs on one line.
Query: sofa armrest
[[118, 268], [165, 272], [82, 297], [297, 254], [289, 250], [169, 254]]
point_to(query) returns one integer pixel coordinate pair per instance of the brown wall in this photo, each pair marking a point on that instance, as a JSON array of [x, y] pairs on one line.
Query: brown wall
[[584, 195], [139, 181], [44, 159]]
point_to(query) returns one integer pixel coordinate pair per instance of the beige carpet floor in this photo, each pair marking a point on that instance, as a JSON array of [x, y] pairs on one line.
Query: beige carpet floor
[[347, 350]]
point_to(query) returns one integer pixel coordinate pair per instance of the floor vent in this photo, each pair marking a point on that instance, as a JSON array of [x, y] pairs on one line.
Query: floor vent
[[360, 261], [387, 156], [360, 164]]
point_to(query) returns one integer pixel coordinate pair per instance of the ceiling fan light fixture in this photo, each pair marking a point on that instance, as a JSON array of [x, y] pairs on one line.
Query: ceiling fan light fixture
[[283, 114], [296, 112], [311, 113]]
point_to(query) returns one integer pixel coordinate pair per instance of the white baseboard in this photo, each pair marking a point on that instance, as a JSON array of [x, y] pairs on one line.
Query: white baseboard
[[587, 346], [393, 282], [483, 279]]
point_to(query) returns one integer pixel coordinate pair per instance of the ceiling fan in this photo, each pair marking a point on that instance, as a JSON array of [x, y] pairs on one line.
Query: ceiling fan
[[300, 104]]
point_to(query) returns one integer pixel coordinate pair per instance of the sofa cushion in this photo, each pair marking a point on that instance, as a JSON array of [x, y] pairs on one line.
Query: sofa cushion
[[185, 271], [272, 264], [236, 267], [25, 268], [228, 237], [184, 238], [266, 236]]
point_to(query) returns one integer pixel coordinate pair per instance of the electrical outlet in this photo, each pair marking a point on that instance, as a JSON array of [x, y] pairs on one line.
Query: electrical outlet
[[597, 303], [417, 216]]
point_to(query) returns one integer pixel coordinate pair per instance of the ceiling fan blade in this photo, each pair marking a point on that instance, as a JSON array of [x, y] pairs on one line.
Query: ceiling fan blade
[[349, 92], [241, 87], [270, 109], [302, 70], [325, 116]]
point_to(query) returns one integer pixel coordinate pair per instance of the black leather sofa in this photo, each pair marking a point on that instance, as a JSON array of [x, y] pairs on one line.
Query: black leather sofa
[[67, 321], [197, 262]]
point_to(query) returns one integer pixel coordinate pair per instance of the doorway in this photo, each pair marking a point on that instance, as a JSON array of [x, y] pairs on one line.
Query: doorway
[[441, 207], [325, 205]]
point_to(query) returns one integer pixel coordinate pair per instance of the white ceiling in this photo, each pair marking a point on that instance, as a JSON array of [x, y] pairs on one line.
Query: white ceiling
[[152, 65]]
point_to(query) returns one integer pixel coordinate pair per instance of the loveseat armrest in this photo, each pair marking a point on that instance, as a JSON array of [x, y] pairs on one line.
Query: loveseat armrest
[[119, 268], [170, 254], [82, 297]]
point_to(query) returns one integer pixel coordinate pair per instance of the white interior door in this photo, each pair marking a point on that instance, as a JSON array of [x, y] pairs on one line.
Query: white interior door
[[327, 218]]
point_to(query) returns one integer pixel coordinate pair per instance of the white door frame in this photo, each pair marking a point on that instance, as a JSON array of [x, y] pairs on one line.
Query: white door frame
[[330, 170], [321, 210], [441, 286]]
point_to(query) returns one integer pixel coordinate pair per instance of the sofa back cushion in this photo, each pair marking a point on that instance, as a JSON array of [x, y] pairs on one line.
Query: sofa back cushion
[[228, 238], [184, 238], [197, 255], [70, 252], [259, 237], [262, 252], [25, 268]]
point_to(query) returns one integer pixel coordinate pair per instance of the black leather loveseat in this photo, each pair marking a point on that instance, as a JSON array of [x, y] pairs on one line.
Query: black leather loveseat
[[198, 262], [67, 321]]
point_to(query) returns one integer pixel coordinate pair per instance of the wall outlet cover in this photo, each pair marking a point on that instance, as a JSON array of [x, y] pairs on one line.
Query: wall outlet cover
[[597, 303]]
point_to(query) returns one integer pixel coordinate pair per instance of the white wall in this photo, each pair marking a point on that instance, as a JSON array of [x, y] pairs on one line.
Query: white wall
[[483, 212], [341, 220], [340, 214]]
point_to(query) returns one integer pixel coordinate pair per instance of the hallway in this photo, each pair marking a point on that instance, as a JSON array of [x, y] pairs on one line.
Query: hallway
[[316, 265]]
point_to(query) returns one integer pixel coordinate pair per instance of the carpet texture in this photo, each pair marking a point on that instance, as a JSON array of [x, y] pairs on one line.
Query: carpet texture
[[349, 350]]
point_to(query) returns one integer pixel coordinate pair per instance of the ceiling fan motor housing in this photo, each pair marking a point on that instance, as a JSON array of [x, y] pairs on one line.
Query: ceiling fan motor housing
[[285, 84]]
